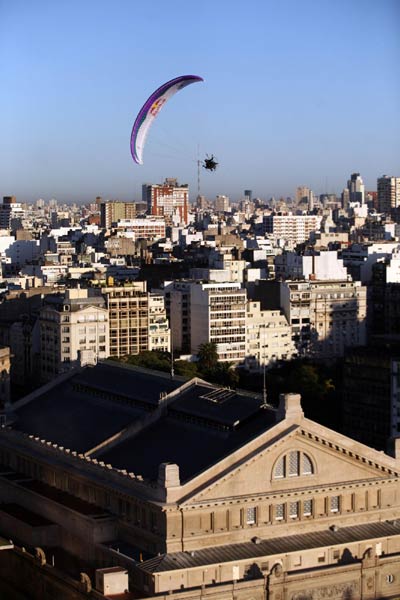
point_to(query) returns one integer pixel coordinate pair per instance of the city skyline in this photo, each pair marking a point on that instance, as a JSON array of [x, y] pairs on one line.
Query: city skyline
[[285, 101]]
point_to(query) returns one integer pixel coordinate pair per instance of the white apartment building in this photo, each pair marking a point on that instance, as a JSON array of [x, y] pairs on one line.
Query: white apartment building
[[268, 337], [145, 228], [360, 258], [294, 229], [218, 314], [208, 312], [325, 316], [325, 265], [159, 331], [73, 331]]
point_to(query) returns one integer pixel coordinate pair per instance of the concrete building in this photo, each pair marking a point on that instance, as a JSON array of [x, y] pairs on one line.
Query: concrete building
[[169, 200], [326, 265], [113, 211], [5, 366], [388, 193], [371, 392], [222, 203], [10, 210], [138, 319], [294, 229], [268, 337], [208, 312], [73, 331], [197, 491], [356, 189], [305, 196], [325, 316], [145, 228]]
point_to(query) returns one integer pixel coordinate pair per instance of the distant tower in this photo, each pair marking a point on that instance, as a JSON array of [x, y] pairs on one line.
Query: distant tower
[[248, 194], [356, 189]]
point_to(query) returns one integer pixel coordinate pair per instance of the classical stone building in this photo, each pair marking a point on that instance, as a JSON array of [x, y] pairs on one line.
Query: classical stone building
[[199, 491]]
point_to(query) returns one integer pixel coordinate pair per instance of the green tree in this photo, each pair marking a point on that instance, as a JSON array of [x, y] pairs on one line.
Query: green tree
[[208, 357]]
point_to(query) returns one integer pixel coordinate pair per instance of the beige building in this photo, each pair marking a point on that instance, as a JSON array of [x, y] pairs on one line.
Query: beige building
[[294, 229], [325, 316], [73, 331], [5, 365], [268, 337], [138, 320], [113, 211], [199, 492]]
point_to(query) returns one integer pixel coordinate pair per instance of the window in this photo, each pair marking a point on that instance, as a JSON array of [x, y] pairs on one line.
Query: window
[[335, 502], [293, 464], [279, 512], [294, 510], [307, 508], [251, 515]]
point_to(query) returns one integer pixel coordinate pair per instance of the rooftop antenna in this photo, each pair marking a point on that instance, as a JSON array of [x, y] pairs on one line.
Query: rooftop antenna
[[264, 395], [172, 354], [198, 170]]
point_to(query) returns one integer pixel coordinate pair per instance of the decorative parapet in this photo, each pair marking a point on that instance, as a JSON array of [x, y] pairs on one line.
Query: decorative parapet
[[52, 448]]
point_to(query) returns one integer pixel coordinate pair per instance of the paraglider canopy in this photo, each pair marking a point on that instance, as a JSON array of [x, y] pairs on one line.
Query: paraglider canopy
[[210, 163], [150, 110]]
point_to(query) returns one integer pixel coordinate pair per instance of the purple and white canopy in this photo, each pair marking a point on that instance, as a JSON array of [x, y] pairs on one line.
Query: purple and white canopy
[[150, 110]]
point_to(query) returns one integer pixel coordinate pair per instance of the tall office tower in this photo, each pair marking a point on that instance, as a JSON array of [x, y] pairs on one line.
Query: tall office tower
[[345, 199], [73, 331], [248, 194], [356, 188], [9, 210], [168, 199], [388, 193], [201, 202], [138, 320], [305, 195], [222, 203], [113, 211]]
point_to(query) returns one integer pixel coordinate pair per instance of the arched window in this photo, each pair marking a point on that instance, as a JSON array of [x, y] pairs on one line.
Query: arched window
[[293, 464]]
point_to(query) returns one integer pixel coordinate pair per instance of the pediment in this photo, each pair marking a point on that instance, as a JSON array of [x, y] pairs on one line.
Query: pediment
[[334, 460]]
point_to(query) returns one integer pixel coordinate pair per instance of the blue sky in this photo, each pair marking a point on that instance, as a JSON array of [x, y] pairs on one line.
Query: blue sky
[[296, 92]]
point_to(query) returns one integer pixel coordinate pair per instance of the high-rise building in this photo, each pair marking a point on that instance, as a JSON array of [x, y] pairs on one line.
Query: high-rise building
[[305, 195], [168, 199], [248, 194], [356, 188], [113, 211], [73, 331], [138, 320], [388, 193], [222, 203], [325, 316], [9, 210], [209, 312]]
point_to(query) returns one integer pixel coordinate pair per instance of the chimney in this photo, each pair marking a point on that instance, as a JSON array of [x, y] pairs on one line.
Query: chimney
[[290, 407]]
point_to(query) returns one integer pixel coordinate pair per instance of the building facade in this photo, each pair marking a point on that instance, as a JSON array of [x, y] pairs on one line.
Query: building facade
[[74, 330], [275, 506], [388, 193], [168, 199], [325, 316], [113, 211]]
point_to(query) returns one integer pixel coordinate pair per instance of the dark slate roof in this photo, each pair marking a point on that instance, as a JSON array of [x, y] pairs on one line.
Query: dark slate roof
[[198, 428], [190, 445], [73, 419], [140, 384], [273, 546]]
